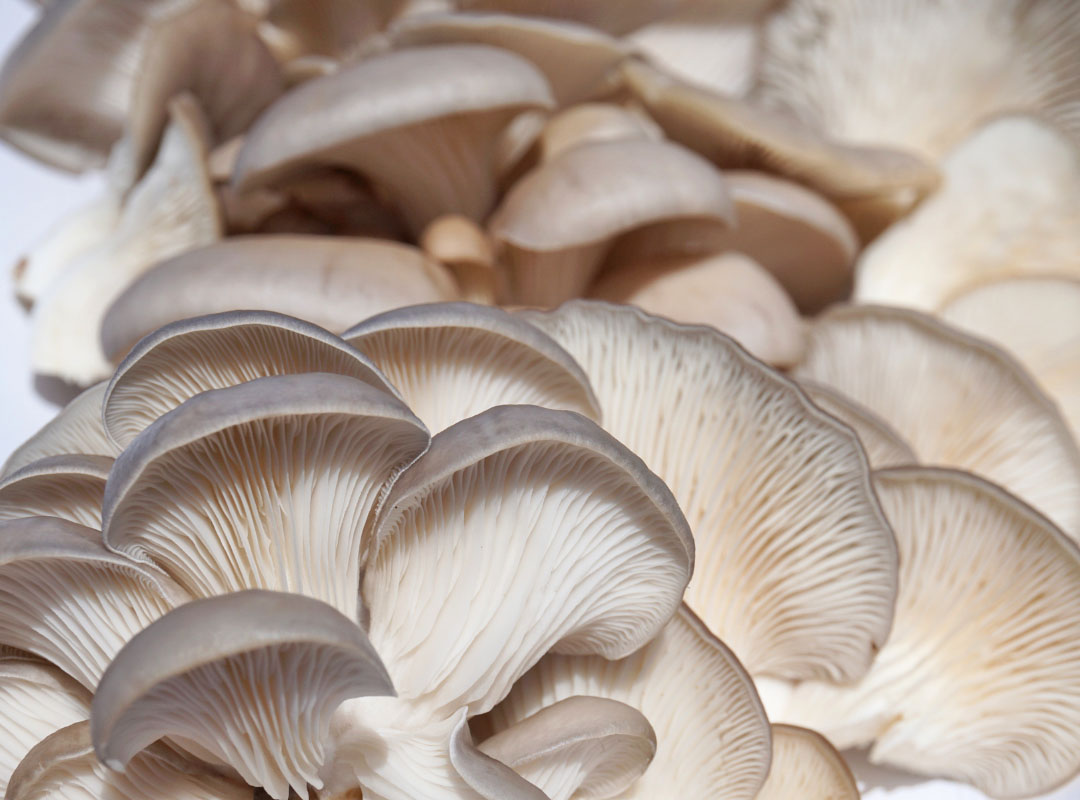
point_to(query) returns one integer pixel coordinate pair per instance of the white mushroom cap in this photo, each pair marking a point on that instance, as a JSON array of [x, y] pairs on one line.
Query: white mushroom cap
[[36, 699], [980, 678], [728, 291], [70, 487], [453, 360], [864, 72], [987, 222], [805, 765], [170, 210], [77, 429], [66, 598], [253, 677], [796, 564], [957, 400], [558, 222], [1035, 319], [712, 737], [63, 766], [884, 446], [264, 485], [422, 122], [330, 281], [185, 358], [577, 747]]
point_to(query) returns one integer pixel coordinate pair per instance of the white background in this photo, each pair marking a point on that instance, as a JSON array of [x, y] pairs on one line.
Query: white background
[[32, 198]]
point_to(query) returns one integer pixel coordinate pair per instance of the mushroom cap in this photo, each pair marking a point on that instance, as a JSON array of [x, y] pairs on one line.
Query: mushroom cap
[[574, 58], [70, 487], [617, 18], [727, 291], [597, 561], [464, 247], [66, 598], [579, 746], [63, 766], [957, 400], [251, 676], [980, 679], [594, 122], [712, 736], [183, 359], [986, 222], [804, 764], [1036, 319], [453, 360], [265, 485], [490, 778], [776, 491], [76, 429], [329, 281], [884, 446]]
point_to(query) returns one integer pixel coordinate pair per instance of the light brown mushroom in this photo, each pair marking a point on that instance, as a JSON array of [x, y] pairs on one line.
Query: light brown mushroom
[[594, 122], [618, 18], [464, 247]]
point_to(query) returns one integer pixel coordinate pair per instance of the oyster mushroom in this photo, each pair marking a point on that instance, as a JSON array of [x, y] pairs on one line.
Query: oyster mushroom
[[804, 764], [69, 487], [884, 446], [461, 245], [593, 122]]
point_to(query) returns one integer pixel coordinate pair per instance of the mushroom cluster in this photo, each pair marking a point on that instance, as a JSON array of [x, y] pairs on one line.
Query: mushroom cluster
[[547, 399]]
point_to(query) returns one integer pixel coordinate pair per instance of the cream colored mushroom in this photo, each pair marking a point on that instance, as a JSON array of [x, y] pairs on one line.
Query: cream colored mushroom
[[884, 446], [70, 487], [806, 766], [465, 249], [593, 122]]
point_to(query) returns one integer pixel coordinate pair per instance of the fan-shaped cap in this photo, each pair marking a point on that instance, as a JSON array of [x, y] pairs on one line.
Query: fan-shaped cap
[[564, 540], [64, 766], [70, 487], [253, 677], [776, 491], [182, 359], [957, 400], [330, 281], [264, 485], [574, 58], [594, 122], [845, 67], [577, 747], [712, 737], [804, 764], [980, 679], [170, 210], [422, 122], [728, 291], [985, 223], [36, 699], [558, 222], [465, 249], [66, 598], [490, 778], [453, 360], [1035, 319], [736, 133], [76, 429], [884, 446]]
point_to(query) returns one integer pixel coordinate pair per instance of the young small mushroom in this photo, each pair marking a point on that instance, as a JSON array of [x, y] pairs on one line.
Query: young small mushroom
[[453, 360], [806, 766], [594, 122], [958, 401], [70, 487], [465, 249]]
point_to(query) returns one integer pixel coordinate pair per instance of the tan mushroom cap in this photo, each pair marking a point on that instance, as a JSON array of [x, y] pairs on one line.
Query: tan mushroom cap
[[980, 679], [295, 28], [805, 765], [737, 134], [63, 766], [594, 122], [265, 485], [987, 222], [884, 446], [958, 401], [70, 487], [464, 247], [36, 699], [558, 222], [712, 737], [453, 360], [574, 58], [727, 291], [253, 677], [1038, 321], [169, 211], [66, 598], [77, 429], [185, 358], [617, 18], [796, 566], [330, 281], [850, 73], [577, 747], [429, 143]]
